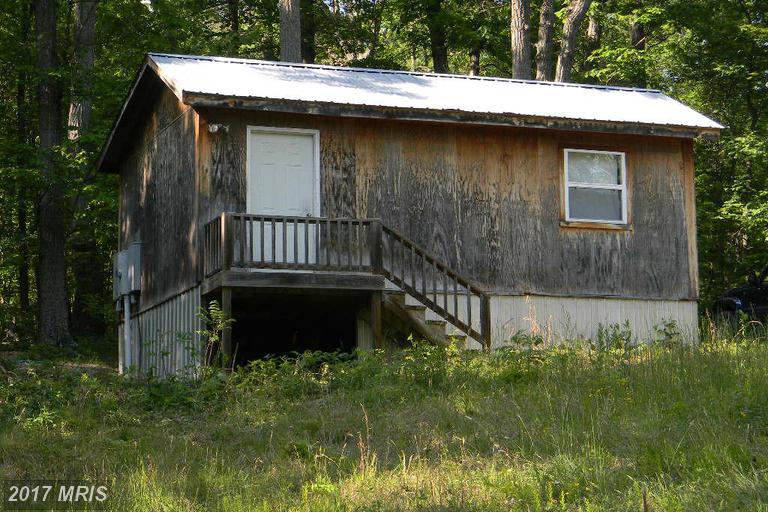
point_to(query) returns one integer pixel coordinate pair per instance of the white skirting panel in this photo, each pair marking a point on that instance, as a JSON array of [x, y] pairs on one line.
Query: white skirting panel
[[165, 339], [559, 319]]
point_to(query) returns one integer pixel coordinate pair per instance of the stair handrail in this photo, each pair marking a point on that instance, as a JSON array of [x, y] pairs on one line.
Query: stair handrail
[[398, 276]]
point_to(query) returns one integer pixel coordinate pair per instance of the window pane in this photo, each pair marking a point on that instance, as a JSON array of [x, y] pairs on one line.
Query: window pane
[[594, 168], [595, 204]]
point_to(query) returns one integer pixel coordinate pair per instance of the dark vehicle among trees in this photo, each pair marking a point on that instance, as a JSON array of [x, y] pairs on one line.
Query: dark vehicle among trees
[[751, 299]]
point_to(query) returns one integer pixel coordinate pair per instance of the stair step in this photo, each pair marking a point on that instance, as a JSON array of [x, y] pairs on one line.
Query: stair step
[[397, 296], [437, 326], [416, 310]]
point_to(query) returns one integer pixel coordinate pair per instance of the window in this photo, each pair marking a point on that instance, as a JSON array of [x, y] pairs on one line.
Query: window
[[595, 186]]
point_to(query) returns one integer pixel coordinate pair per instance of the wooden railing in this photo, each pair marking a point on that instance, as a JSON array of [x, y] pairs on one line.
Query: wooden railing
[[298, 243], [435, 285], [364, 245]]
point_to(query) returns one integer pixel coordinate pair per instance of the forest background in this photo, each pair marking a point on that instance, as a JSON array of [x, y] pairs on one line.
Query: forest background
[[65, 68]]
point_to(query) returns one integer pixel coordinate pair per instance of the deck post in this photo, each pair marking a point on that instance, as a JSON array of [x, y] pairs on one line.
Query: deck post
[[227, 241], [375, 243], [376, 300], [485, 321], [226, 333]]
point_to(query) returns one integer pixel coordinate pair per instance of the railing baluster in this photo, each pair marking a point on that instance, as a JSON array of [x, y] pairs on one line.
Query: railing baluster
[[350, 226], [469, 306], [423, 274], [434, 282], [285, 243], [413, 266], [445, 290], [244, 239], [251, 242], [295, 244], [338, 244], [360, 237], [306, 241], [317, 241], [455, 297], [328, 243], [261, 239], [274, 242]]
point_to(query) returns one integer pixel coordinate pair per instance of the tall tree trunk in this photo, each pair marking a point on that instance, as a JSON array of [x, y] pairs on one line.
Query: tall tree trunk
[[81, 107], [520, 24], [290, 30], [437, 36], [88, 275], [233, 13], [233, 17], [474, 61], [21, 194], [52, 270], [637, 40], [594, 35], [544, 63], [378, 13], [637, 36], [308, 29], [573, 19], [22, 139]]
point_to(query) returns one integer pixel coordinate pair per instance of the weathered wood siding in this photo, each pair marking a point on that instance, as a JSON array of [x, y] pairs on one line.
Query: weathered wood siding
[[487, 199], [158, 199]]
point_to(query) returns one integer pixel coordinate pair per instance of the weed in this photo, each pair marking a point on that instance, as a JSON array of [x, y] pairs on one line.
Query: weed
[[603, 425]]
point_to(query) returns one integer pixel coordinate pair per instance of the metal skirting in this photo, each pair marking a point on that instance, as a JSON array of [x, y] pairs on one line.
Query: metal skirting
[[558, 319], [165, 339]]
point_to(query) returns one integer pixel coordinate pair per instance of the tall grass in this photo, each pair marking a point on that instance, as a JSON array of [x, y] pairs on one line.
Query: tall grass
[[582, 427]]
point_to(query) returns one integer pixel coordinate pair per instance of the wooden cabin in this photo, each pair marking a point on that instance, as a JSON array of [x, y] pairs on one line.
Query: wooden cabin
[[334, 208]]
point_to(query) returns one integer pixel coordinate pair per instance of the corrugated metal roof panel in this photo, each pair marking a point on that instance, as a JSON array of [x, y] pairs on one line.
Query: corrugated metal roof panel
[[243, 78]]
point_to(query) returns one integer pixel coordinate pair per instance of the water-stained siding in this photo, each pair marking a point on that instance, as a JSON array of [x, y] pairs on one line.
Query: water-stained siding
[[487, 199], [158, 198]]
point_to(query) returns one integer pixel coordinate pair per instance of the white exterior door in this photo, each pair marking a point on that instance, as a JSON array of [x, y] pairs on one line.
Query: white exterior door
[[283, 180]]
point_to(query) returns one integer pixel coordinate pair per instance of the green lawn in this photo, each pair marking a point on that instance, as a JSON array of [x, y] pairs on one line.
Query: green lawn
[[427, 429]]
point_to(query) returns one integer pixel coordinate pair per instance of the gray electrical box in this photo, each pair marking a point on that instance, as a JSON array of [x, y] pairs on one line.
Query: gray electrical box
[[126, 271]]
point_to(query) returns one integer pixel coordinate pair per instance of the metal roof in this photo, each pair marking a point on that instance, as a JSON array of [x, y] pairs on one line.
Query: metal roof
[[191, 75]]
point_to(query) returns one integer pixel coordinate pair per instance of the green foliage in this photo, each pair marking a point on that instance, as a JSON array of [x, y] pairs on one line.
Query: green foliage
[[710, 54], [565, 428], [215, 320]]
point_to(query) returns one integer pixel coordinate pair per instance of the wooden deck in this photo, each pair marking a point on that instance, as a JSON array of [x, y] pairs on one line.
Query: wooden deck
[[305, 254], [296, 280]]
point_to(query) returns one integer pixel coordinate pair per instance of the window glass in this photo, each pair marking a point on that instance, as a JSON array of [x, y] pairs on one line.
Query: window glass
[[596, 204], [585, 167], [596, 187]]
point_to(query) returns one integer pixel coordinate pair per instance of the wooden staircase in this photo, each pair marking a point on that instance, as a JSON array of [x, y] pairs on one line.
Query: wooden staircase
[[429, 299], [441, 305], [407, 317]]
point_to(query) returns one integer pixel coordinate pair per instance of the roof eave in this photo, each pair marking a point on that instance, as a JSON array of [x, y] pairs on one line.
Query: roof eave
[[207, 100], [105, 150], [147, 65]]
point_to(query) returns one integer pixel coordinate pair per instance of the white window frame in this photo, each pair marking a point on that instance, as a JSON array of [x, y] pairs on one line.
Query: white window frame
[[601, 186]]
